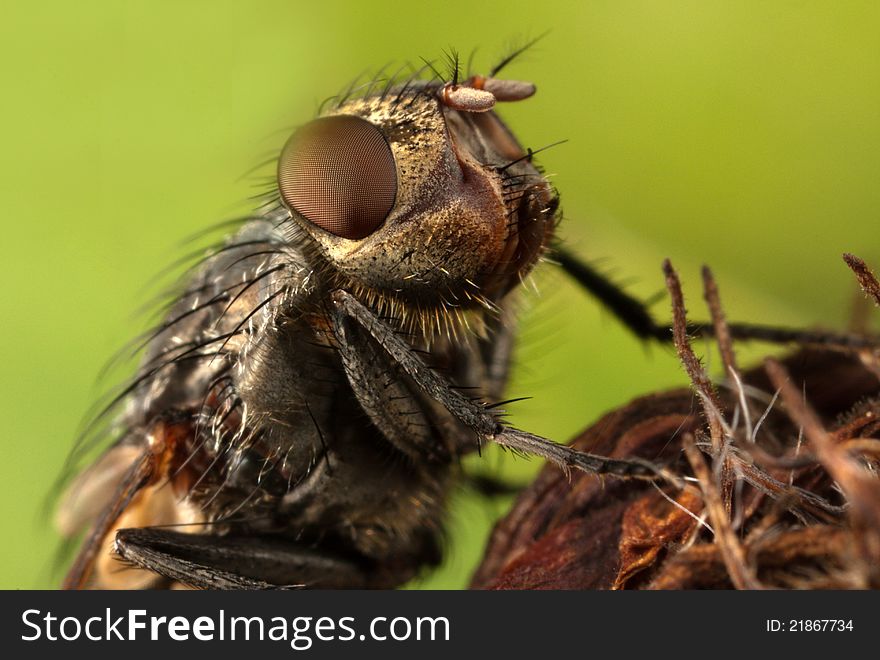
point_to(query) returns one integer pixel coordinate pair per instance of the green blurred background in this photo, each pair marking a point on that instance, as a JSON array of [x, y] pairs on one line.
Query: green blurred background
[[740, 134]]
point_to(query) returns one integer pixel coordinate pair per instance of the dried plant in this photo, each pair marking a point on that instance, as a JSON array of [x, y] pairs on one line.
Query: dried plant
[[773, 479]]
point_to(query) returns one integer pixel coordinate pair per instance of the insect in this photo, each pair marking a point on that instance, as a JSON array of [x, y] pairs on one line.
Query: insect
[[299, 414]]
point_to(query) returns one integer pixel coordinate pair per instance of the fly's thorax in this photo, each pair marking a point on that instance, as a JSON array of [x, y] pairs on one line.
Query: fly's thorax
[[442, 209]]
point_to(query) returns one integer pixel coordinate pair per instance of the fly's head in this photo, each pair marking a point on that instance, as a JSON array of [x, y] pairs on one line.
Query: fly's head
[[418, 197]]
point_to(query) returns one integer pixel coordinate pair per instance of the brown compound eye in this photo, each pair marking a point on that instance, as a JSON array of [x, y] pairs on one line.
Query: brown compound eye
[[339, 173]]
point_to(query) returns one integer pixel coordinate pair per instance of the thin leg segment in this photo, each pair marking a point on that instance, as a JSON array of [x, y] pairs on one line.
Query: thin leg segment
[[634, 314]]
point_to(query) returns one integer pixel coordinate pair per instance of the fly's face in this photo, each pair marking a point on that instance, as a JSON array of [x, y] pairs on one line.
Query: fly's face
[[412, 197]]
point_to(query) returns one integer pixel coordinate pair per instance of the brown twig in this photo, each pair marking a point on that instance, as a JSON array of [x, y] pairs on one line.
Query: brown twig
[[689, 359], [868, 446], [719, 321], [867, 280]]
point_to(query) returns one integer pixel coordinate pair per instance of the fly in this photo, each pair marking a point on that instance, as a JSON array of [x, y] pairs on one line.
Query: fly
[[299, 416]]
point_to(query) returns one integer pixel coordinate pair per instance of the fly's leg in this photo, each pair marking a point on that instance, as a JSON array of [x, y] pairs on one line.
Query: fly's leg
[[348, 310], [635, 316], [491, 487], [387, 395], [228, 562]]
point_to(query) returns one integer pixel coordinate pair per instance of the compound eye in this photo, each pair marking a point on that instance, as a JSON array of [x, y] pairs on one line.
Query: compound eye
[[339, 173]]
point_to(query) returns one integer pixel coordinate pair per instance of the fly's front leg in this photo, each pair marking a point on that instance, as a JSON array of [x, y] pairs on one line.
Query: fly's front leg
[[387, 395], [348, 310], [227, 562], [633, 313]]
